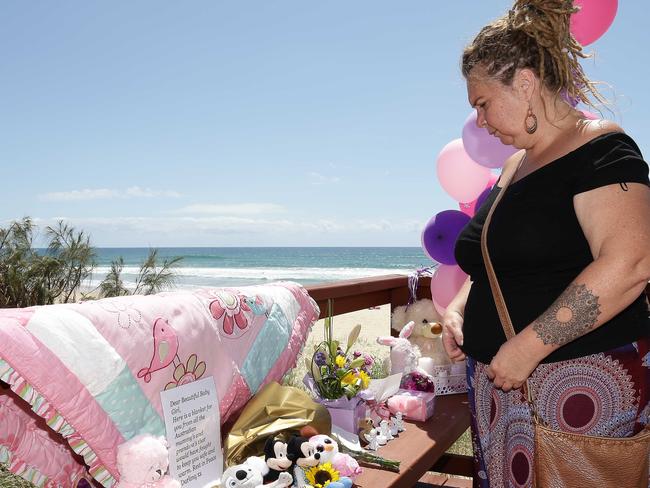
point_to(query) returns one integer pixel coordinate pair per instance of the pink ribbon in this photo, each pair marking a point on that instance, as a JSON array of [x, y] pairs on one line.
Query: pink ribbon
[[380, 409]]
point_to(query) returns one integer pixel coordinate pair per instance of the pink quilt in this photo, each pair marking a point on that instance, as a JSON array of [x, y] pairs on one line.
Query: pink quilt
[[94, 371]]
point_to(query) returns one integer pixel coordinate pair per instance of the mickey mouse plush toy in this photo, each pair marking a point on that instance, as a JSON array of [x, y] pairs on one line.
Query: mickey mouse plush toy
[[303, 454], [276, 457]]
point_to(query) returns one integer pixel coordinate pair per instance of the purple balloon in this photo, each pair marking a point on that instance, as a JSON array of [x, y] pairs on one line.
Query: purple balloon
[[440, 234], [483, 148], [568, 98], [481, 198]]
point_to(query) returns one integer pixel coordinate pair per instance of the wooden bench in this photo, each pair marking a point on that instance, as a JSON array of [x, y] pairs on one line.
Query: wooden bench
[[422, 447]]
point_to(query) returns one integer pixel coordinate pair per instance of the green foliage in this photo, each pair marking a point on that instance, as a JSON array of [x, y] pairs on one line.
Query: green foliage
[[75, 259], [334, 372], [28, 278], [152, 277], [112, 285]]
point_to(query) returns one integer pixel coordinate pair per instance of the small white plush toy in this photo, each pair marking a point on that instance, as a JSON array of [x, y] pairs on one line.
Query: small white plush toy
[[142, 462], [427, 333], [249, 474]]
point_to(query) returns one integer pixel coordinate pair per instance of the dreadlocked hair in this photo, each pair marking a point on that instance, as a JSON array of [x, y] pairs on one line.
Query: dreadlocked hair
[[534, 34]]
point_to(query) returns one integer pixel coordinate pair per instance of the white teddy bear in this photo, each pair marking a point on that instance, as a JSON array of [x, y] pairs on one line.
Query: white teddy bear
[[250, 474], [426, 334]]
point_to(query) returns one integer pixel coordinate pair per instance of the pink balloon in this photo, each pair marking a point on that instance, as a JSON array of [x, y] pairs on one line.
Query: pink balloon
[[470, 208], [445, 284], [590, 115], [483, 148], [439, 308], [593, 19], [458, 174]]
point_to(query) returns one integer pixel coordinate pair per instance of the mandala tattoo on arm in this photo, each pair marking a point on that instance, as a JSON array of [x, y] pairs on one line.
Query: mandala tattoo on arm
[[572, 315]]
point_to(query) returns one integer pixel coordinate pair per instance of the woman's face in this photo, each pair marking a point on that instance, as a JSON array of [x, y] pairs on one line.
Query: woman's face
[[500, 109]]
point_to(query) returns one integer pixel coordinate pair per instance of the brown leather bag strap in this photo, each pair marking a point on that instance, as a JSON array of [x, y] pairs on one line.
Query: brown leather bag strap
[[499, 301]]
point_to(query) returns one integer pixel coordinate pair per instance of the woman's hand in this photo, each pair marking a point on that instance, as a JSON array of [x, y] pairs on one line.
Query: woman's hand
[[452, 334], [512, 365]]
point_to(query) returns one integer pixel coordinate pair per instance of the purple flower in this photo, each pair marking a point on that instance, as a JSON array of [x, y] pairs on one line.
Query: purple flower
[[356, 354], [320, 359], [369, 360], [418, 382]]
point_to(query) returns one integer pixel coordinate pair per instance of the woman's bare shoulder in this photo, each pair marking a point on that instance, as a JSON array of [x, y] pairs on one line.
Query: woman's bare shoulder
[[598, 127]]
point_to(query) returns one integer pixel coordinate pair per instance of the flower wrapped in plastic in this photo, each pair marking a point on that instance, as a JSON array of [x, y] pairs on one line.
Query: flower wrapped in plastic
[[336, 375]]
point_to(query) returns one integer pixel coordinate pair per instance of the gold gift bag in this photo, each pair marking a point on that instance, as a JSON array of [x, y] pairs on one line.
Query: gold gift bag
[[274, 409]]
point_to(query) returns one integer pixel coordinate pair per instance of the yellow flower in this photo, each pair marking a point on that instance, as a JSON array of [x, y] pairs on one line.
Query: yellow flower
[[322, 475], [365, 379], [340, 361], [349, 379]]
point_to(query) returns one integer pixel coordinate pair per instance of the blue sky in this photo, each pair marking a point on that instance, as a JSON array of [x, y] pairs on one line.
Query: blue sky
[[251, 123]]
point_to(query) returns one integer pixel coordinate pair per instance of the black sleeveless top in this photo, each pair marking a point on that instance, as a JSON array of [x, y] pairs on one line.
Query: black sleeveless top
[[537, 249]]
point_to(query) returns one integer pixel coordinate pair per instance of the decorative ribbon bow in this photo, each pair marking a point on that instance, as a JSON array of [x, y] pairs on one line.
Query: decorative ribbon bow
[[378, 409]]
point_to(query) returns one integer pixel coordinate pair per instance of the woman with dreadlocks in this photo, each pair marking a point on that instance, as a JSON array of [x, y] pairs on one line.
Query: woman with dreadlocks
[[570, 245]]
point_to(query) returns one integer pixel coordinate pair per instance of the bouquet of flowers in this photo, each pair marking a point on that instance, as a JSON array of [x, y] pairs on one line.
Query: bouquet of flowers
[[417, 382], [337, 373]]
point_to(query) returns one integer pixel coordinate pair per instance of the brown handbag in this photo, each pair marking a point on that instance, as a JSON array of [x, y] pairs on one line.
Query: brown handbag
[[563, 459]]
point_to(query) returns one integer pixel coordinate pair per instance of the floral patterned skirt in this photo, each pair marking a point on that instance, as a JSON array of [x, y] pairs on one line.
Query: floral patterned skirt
[[606, 394]]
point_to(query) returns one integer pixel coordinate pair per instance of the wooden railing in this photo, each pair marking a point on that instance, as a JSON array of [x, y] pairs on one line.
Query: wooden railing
[[352, 295]]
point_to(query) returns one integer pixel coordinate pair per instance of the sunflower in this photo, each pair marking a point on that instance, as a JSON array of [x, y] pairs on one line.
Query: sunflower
[[322, 475]]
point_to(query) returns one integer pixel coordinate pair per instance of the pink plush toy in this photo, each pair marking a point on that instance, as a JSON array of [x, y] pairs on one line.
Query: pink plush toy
[[345, 464], [142, 462]]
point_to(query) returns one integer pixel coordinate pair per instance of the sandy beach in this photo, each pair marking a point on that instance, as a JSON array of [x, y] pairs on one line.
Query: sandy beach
[[374, 322]]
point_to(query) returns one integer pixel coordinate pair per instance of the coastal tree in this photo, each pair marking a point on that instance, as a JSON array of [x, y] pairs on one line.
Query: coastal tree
[[29, 277], [152, 277], [112, 285], [56, 274]]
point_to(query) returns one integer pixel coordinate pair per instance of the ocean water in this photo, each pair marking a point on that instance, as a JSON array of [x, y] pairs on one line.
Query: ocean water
[[241, 266]]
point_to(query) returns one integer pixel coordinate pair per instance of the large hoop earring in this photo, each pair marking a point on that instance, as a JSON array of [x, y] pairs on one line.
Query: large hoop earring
[[532, 126]]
